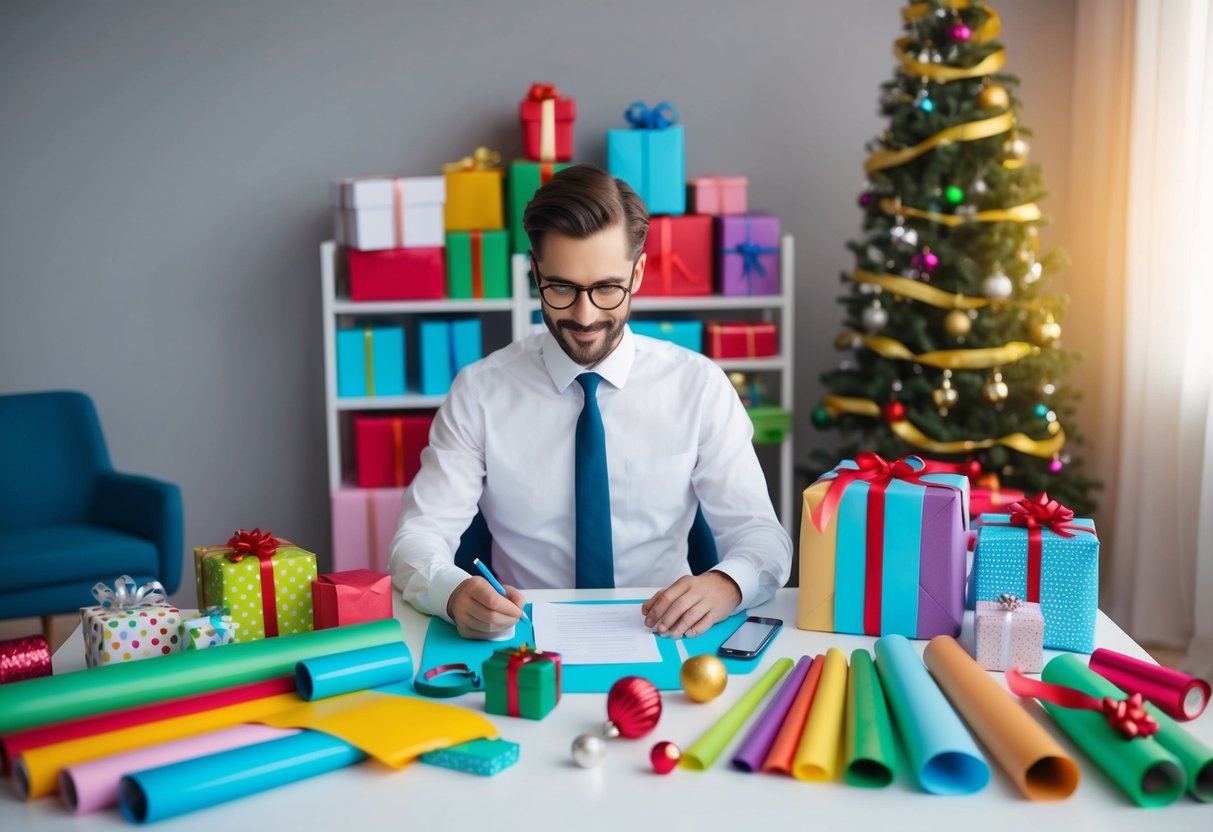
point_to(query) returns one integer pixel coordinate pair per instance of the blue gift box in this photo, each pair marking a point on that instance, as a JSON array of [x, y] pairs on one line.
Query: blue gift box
[[465, 343], [687, 334], [1069, 576], [651, 157], [370, 361], [435, 354]]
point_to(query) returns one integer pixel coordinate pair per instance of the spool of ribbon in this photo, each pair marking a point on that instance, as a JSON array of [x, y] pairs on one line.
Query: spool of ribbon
[[1037, 515], [127, 594], [28, 657], [1128, 715], [262, 546], [1009, 604], [523, 656], [482, 158], [1182, 696], [657, 117], [546, 95]]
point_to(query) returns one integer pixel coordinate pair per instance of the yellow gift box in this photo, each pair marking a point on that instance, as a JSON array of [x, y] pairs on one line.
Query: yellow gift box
[[474, 193]]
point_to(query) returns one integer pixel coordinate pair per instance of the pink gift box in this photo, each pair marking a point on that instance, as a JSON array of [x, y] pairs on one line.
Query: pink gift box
[[718, 195], [1010, 638], [364, 521], [353, 597]]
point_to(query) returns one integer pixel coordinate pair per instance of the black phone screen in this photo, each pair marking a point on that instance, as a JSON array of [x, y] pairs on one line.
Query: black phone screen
[[748, 637]]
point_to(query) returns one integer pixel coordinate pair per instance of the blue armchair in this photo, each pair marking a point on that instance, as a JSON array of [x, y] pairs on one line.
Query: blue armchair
[[67, 518]]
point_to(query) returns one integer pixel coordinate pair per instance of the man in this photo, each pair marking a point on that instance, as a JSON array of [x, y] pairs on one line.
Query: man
[[588, 449]]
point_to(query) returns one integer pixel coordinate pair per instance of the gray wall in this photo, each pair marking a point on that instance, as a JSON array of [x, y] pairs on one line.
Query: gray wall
[[164, 171]]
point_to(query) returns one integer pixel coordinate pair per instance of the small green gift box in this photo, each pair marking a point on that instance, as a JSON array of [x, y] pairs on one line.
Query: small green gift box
[[519, 681], [478, 264], [266, 583], [526, 178], [771, 424]]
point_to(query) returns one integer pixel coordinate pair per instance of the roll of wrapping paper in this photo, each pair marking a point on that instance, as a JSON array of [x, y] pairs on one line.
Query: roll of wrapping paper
[[178, 788], [370, 667], [36, 772], [101, 689], [1142, 767], [757, 745], [1194, 756], [1181, 696], [783, 750], [942, 755], [1027, 753], [20, 741], [705, 750], [817, 755], [870, 758], [91, 786]]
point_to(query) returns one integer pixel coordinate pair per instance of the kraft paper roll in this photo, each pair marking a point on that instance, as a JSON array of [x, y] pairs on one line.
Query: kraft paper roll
[[783, 750], [178, 788], [370, 667], [705, 750], [36, 772], [871, 752], [101, 689], [91, 786], [20, 741], [1030, 756], [757, 745], [1143, 768], [817, 755], [942, 755]]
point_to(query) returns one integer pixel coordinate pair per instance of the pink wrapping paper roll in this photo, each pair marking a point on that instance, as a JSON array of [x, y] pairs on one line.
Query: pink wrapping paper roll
[[90, 786], [1182, 696]]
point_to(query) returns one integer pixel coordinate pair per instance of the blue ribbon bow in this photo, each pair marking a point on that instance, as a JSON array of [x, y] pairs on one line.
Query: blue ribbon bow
[[660, 116], [750, 252]]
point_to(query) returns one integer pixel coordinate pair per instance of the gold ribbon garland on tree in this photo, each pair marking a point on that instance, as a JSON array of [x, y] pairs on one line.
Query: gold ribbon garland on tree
[[987, 31], [925, 293], [970, 131], [974, 359], [1027, 212]]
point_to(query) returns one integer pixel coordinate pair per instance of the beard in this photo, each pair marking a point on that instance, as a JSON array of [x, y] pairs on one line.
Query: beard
[[586, 354]]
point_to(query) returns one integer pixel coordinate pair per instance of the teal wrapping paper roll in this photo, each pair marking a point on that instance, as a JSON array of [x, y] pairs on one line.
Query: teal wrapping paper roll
[[178, 788], [370, 667], [943, 757]]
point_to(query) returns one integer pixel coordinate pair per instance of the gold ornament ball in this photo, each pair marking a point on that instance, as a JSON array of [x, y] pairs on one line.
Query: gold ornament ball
[[945, 398], [957, 323], [1045, 333], [996, 390], [1014, 152], [703, 677], [994, 97]]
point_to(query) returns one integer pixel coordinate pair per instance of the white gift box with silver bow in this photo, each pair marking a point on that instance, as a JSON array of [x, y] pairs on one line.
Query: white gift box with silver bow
[[130, 623], [1010, 634]]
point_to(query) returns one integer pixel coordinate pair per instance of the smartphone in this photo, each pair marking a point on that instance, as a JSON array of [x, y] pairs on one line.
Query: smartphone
[[751, 638]]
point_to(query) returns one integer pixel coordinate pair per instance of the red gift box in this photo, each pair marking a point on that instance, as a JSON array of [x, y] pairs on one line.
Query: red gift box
[[742, 340], [354, 597], [679, 253], [547, 124], [987, 496], [389, 448], [398, 274]]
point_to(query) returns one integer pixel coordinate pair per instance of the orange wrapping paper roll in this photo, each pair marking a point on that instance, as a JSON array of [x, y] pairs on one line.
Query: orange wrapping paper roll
[[783, 750], [1026, 752]]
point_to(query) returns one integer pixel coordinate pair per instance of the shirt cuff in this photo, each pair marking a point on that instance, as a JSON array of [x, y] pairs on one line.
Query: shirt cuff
[[438, 594], [742, 575]]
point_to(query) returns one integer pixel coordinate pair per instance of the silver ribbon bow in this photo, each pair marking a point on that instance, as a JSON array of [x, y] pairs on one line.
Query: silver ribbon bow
[[126, 594], [1009, 602]]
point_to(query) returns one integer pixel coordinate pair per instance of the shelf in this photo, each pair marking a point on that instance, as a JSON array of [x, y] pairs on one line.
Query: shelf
[[396, 307], [406, 402], [751, 365]]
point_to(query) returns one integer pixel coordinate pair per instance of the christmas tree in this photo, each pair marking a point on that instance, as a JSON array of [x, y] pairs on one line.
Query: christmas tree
[[953, 338]]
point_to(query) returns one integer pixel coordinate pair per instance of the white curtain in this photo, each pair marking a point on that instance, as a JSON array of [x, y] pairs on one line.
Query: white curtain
[[1146, 247]]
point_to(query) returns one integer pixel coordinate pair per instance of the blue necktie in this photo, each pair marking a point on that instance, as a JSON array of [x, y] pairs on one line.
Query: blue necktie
[[595, 559]]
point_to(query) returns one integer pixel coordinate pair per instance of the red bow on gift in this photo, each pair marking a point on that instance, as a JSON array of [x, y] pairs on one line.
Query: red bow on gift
[[1042, 512], [1128, 716], [542, 92], [256, 544], [874, 469]]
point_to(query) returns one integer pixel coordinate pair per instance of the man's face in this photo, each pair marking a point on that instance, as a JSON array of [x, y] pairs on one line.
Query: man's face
[[585, 332]]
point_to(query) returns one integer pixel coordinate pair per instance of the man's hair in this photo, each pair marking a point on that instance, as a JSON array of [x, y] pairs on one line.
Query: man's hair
[[581, 201]]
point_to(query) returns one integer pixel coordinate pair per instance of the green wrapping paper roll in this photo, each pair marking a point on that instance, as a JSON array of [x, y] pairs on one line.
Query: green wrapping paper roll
[[88, 692], [871, 752], [1145, 770], [701, 755], [1195, 757]]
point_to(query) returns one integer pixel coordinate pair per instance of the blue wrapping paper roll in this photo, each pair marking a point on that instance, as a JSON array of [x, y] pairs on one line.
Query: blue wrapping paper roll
[[178, 788], [942, 755], [371, 667]]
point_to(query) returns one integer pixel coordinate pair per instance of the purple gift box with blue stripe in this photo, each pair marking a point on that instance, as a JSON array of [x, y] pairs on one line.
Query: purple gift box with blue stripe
[[748, 254]]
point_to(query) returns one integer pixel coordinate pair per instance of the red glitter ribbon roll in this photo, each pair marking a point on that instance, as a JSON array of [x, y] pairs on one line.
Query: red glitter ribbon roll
[[27, 657], [1182, 696]]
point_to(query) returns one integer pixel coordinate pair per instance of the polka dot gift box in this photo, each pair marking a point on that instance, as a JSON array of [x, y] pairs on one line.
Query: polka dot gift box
[[1009, 633], [129, 623], [266, 582], [210, 628]]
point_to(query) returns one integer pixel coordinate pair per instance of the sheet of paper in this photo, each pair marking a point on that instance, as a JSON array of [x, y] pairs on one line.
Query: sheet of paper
[[594, 633]]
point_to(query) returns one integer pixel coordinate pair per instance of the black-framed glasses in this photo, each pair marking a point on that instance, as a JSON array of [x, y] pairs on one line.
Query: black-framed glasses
[[606, 296]]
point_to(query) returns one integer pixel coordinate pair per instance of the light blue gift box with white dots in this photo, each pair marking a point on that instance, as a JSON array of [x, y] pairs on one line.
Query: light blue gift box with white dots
[[1069, 576]]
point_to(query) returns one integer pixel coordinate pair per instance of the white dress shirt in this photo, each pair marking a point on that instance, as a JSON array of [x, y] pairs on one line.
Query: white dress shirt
[[677, 437]]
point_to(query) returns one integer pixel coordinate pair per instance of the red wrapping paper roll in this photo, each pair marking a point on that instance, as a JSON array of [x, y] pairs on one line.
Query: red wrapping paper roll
[[27, 657], [1182, 696]]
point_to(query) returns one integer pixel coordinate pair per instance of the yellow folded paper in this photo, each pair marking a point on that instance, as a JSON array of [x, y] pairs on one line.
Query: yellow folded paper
[[816, 593], [817, 755]]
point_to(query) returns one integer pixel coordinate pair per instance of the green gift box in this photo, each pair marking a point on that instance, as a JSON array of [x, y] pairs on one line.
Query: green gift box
[[526, 178], [250, 578], [519, 681], [477, 264], [771, 424]]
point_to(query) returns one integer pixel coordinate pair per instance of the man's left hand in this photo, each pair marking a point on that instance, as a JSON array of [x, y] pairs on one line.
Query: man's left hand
[[691, 604]]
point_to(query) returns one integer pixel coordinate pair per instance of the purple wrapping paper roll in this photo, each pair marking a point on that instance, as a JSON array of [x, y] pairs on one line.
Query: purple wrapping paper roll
[[753, 751]]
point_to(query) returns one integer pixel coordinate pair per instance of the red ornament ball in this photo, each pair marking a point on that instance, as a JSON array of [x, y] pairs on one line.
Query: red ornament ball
[[633, 707], [665, 756], [894, 411]]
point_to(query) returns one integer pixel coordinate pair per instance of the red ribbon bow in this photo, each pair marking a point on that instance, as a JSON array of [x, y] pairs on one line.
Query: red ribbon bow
[[262, 546], [1035, 514], [1128, 716], [524, 656], [542, 92]]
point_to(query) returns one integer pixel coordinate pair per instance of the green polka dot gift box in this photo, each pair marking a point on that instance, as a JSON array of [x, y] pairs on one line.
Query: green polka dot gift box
[[265, 581], [129, 623]]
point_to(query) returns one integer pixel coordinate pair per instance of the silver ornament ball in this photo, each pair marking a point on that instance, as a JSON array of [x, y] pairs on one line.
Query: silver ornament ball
[[874, 318], [588, 750], [997, 286]]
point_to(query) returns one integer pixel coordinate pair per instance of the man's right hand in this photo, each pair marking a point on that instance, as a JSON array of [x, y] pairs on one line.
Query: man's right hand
[[480, 612]]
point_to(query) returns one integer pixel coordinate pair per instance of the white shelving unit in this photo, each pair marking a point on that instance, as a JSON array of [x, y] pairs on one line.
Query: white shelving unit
[[520, 308]]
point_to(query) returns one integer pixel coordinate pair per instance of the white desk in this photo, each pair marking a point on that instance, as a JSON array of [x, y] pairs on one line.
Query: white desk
[[546, 791]]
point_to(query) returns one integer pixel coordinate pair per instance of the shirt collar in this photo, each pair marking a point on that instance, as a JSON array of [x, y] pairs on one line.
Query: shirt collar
[[564, 370]]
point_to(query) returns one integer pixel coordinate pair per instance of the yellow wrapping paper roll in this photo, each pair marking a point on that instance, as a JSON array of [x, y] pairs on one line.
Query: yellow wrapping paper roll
[[817, 755]]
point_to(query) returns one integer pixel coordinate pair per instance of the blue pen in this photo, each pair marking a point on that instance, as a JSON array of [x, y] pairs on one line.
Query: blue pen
[[488, 576]]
